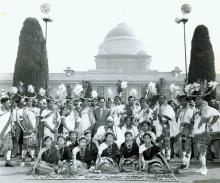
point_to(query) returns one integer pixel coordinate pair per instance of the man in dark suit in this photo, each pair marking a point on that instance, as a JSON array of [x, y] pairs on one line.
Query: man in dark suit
[[101, 114]]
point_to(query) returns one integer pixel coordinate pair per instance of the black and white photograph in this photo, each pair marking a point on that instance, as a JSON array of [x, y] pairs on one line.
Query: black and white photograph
[[103, 91]]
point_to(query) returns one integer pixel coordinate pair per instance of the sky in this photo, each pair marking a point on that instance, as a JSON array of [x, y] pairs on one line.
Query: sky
[[80, 26]]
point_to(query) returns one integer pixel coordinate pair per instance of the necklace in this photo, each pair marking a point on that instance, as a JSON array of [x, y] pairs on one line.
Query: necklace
[[129, 147], [49, 151], [82, 153], [61, 152], [109, 150]]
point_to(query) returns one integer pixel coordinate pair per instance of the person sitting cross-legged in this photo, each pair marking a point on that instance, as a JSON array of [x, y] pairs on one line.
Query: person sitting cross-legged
[[151, 159], [129, 153], [110, 127]]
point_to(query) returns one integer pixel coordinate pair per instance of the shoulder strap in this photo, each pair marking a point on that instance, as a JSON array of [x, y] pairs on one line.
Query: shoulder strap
[[2, 133]]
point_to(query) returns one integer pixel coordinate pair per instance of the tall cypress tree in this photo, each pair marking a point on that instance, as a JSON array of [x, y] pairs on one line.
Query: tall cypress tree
[[31, 65], [202, 66]]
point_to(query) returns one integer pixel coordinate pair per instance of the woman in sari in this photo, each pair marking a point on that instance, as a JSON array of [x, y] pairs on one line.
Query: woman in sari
[[151, 158], [47, 160], [129, 153], [108, 155], [82, 157], [71, 142], [65, 155]]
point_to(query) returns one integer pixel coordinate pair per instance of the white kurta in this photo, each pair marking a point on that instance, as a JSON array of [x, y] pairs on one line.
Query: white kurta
[[185, 116], [206, 112], [50, 122], [71, 121], [31, 113], [117, 132], [167, 110], [145, 115], [117, 112], [86, 120]]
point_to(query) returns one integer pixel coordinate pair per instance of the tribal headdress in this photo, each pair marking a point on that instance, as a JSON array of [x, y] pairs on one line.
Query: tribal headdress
[[200, 90]]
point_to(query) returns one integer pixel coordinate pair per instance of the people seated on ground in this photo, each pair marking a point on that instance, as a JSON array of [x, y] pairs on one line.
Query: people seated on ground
[[71, 141], [129, 126], [145, 127], [48, 158], [108, 155], [110, 127], [65, 154], [129, 153], [91, 147], [82, 157], [151, 158]]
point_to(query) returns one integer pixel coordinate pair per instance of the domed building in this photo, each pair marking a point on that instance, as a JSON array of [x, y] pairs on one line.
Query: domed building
[[121, 56], [121, 50]]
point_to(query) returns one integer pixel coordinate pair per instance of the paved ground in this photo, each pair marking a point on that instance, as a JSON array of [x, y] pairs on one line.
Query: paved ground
[[17, 174]]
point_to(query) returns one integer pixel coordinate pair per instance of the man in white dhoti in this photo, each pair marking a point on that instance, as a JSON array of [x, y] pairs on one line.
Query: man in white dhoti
[[145, 114], [117, 111], [6, 145], [69, 118], [87, 118], [118, 134], [167, 119], [50, 117]]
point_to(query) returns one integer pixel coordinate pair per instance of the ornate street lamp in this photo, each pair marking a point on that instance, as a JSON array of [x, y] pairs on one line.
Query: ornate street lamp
[[186, 9], [45, 9]]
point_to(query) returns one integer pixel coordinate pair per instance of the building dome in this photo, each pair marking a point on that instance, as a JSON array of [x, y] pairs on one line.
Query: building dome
[[121, 30], [121, 41]]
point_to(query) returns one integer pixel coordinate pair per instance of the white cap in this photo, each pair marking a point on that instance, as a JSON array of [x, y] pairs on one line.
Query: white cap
[[110, 118]]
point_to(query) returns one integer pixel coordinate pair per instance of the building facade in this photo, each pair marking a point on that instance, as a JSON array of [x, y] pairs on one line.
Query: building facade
[[121, 56]]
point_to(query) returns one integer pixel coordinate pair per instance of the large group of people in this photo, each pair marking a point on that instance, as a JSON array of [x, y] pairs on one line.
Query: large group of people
[[105, 135]]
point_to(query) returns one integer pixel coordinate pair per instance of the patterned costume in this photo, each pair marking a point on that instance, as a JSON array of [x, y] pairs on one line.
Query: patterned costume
[[185, 126], [129, 156], [109, 160], [48, 162], [152, 159]]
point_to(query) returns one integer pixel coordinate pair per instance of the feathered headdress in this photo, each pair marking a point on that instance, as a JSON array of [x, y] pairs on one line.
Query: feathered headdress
[[94, 94], [78, 90], [133, 92], [150, 90], [200, 90]]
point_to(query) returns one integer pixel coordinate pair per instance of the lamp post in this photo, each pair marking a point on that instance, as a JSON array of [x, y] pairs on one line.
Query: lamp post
[[186, 9], [45, 8]]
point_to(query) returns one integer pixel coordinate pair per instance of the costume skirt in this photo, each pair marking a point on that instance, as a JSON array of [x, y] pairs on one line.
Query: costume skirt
[[202, 141], [44, 168], [128, 165], [80, 168], [30, 140], [6, 143], [107, 165]]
